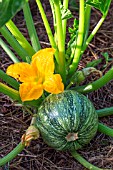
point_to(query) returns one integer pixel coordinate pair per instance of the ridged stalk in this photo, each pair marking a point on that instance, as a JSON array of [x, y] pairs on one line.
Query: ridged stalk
[[53, 13], [15, 45], [14, 94], [8, 51], [60, 39], [85, 163], [20, 38], [96, 84], [105, 129], [105, 112], [96, 28], [61, 44], [48, 29], [31, 28], [93, 34], [12, 154], [87, 22], [77, 54], [12, 82], [64, 22], [46, 24]]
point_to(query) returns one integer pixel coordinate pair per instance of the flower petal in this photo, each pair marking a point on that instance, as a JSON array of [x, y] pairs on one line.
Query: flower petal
[[53, 84], [21, 71], [43, 62], [30, 91]]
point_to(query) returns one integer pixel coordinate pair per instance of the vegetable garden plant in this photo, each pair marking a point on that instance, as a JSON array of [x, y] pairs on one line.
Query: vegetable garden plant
[[49, 80]]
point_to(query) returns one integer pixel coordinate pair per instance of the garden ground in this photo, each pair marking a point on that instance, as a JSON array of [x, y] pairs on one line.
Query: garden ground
[[14, 121]]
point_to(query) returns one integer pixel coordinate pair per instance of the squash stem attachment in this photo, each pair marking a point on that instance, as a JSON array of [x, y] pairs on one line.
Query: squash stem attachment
[[82, 161], [71, 137]]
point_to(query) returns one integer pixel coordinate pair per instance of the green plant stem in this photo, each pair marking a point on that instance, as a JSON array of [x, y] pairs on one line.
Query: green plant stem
[[105, 129], [64, 22], [13, 42], [46, 24], [77, 54], [34, 103], [53, 13], [20, 38], [8, 51], [61, 45], [87, 22], [48, 29], [28, 110], [14, 94], [96, 84], [96, 28], [82, 161], [19, 147], [12, 154], [30, 26], [105, 112], [60, 39], [12, 82], [93, 33]]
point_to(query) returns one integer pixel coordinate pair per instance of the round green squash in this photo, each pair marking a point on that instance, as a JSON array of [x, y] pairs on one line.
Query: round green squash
[[67, 121]]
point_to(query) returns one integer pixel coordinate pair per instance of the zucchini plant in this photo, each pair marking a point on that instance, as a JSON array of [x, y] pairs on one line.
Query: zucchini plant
[[66, 118]]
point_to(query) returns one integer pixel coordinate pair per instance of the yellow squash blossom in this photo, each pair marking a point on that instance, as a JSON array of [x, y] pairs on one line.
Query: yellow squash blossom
[[37, 76]]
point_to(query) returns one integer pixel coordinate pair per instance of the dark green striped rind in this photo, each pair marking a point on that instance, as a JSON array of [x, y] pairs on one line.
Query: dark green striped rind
[[64, 113]]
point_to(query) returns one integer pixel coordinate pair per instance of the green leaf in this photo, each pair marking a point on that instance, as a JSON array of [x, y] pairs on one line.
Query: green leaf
[[8, 8], [73, 5], [66, 13], [106, 56], [72, 42], [94, 63], [102, 5]]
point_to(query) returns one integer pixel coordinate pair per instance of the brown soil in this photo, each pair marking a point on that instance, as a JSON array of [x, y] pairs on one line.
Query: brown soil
[[14, 121]]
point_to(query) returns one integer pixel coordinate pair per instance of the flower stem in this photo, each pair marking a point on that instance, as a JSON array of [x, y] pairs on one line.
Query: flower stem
[[20, 38], [12, 154], [8, 51], [13, 42], [82, 161], [60, 39], [105, 112], [104, 129], [9, 80], [77, 54], [30, 26], [96, 84]]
